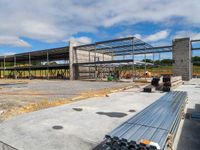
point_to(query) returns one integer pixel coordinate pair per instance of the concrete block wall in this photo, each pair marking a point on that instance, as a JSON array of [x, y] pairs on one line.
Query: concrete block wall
[[80, 56], [182, 56]]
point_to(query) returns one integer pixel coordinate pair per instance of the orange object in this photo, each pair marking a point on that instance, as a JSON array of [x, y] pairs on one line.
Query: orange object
[[146, 142]]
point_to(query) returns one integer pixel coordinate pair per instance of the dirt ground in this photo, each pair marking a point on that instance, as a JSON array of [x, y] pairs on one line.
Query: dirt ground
[[22, 96]]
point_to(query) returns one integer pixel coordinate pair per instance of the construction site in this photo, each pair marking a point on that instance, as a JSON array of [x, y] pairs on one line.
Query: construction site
[[119, 94], [125, 58]]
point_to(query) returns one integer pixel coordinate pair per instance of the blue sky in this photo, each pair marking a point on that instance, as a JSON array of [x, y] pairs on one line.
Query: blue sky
[[27, 26]]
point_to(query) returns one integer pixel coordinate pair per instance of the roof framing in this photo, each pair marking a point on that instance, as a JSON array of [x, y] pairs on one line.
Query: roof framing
[[123, 46]]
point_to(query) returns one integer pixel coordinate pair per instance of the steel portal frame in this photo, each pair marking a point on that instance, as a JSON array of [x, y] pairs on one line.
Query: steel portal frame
[[122, 51], [25, 62]]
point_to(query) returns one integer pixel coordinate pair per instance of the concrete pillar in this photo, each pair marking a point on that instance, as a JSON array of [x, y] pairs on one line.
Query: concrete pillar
[[182, 56], [73, 69]]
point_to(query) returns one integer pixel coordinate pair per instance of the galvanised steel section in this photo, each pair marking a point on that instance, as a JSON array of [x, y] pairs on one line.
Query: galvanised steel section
[[55, 54], [193, 42], [151, 129], [123, 46], [53, 62], [121, 50]]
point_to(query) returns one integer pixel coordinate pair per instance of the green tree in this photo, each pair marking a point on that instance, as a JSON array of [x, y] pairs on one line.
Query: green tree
[[196, 60], [148, 60]]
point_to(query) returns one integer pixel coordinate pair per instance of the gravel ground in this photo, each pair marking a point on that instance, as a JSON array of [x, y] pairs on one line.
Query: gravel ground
[[15, 94]]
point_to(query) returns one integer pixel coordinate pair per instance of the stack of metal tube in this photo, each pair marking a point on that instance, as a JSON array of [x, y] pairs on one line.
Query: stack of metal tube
[[151, 129]]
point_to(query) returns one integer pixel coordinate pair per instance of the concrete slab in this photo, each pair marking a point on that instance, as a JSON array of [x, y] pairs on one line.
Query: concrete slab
[[82, 125], [79, 129], [188, 134]]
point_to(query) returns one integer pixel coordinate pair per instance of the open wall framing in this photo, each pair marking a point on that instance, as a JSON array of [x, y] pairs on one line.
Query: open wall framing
[[114, 56], [195, 46], [44, 64]]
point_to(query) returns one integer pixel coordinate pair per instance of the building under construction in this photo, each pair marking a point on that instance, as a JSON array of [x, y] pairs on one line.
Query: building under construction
[[98, 59]]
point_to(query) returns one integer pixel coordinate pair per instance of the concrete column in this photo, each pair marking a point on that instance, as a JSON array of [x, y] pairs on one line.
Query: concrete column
[[182, 56], [72, 67]]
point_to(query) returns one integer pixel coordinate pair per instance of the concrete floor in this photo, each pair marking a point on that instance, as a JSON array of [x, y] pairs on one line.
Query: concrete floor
[[82, 125], [188, 135]]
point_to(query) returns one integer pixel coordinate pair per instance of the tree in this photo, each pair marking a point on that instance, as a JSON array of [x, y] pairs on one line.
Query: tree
[[166, 62], [148, 60], [196, 60]]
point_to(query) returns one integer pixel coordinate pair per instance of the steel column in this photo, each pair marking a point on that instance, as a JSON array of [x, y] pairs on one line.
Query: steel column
[[29, 60], [47, 65]]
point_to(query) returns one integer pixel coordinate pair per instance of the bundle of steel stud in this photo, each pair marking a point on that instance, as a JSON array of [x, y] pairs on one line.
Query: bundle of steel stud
[[151, 129], [170, 82]]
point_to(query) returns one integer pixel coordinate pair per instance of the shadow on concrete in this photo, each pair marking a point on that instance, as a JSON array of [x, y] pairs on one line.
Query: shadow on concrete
[[112, 114], [132, 110], [78, 109], [100, 147], [190, 134], [57, 127]]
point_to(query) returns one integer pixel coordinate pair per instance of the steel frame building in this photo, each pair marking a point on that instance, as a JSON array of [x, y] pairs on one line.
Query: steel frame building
[[17, 65], [121, 51], [75, 59], [119, 48]]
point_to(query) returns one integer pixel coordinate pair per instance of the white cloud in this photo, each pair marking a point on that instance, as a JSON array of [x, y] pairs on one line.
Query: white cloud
[[81, 40], [191, 34], [157, 36], [65, 18], [7, 54], [13, 41], [139, 36]]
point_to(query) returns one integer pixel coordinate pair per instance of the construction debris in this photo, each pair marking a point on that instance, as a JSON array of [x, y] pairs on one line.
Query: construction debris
[[153, 128]]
